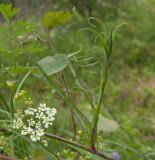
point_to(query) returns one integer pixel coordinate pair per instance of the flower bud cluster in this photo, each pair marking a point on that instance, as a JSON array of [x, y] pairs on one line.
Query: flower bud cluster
[[10, 84], [20, 94], [33, 122], [4, 144]]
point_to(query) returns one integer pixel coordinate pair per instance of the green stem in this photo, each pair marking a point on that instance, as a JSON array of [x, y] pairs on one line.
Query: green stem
[[10, 70], [75, 144], [97, 109], [11, 104], [20, 85], [72, 114]]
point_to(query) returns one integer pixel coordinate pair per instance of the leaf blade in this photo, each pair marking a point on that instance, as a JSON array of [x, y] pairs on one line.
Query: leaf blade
[[54, 64], [56, 19]]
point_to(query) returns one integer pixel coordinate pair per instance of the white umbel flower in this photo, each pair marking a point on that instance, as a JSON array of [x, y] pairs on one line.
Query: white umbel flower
[[34, 122]]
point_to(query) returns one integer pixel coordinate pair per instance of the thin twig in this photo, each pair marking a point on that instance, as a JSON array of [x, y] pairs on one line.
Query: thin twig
[[61, 139]]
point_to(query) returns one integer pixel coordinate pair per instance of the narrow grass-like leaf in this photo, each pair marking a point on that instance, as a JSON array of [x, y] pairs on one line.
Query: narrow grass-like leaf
[[5, 112], [110, 44], [95, 20], [116, 28], [122, 145]]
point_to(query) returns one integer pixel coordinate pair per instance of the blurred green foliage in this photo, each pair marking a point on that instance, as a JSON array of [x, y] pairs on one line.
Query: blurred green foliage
[[131, 88]]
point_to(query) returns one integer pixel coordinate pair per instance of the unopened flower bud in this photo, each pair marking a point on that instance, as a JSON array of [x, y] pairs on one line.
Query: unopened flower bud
[[10, 84], [20, 94], [80, 132], [29, 102]]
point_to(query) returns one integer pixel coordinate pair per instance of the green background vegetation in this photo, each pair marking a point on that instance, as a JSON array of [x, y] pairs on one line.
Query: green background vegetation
[[130, 94]]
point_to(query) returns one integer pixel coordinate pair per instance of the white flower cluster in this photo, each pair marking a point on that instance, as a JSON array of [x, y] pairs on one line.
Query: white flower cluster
[[34, 122]]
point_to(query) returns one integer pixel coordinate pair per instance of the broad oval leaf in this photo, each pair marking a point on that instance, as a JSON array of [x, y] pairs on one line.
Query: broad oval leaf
[[54, 64], [55, 19]]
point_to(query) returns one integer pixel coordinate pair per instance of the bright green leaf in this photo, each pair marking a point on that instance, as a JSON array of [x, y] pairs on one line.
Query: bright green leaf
[[55, 19], [8, 11], [23, 26]]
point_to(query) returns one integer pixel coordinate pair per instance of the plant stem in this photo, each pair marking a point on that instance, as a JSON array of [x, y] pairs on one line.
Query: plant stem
[[61, 139], [72, 114], [79, 115], [97, 109], [10, 70], [50, 43]]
